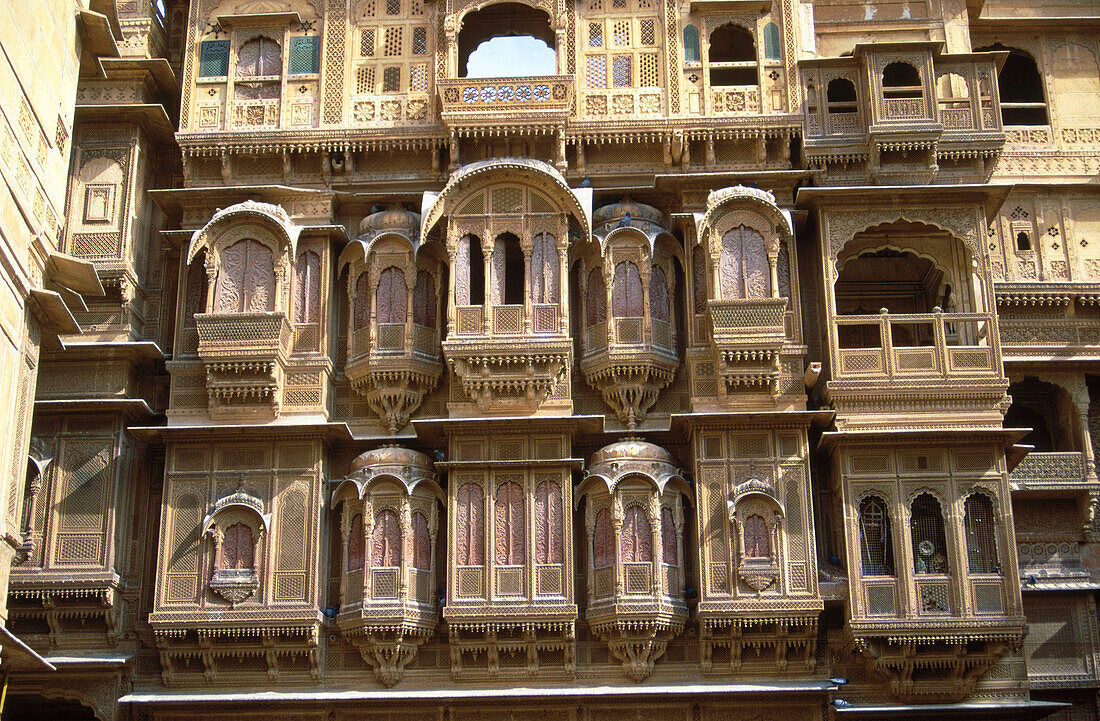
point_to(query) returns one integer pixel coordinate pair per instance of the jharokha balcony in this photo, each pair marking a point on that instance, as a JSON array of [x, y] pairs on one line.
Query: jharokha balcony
[[245, 356]]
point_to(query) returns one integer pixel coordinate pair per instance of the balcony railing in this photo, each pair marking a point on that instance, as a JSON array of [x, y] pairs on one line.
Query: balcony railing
[[229, 334], [534, 97], [1044, 469], [750, 318], [506, 320], [915, 345]]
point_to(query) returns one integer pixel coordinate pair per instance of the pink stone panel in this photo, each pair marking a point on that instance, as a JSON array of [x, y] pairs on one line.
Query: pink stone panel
[[699, 279], [307, 288], [548, 523], [626, 291], [470, 544], [509, 525], [237, 547], [393, 297], [602, 541], [757, 544], [386, 540], [668, 538], [356, 543], [596, 301], [424, 303], [196, 291], [362, 302], [422, 543], [637, 537], [658, 294]]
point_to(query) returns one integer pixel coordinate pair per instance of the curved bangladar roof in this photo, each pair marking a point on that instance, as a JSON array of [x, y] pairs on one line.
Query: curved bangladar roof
[[578, 202], [269, 214], [719, 200]]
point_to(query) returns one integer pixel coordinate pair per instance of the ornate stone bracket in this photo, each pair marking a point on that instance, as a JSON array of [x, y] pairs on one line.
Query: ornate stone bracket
[[631, 387], [395, 393]]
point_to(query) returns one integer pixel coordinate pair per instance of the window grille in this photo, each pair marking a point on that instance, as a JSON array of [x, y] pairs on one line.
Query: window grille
[[393, 7], [391, 80], [305, 55], [416, 7], [648, 75], [214, 59], [929, 539], [418, 78], [771, 41], [620, 33], [875, 544], [646, 35], [391, 46], [364, 80], [625, 34], [420, 41], [595, 35], [757, 543], [366, 43], [691, 44], [981, 535], [595, 71], [620, 71]]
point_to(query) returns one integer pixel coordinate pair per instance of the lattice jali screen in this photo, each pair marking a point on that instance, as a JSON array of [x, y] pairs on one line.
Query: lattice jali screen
[[384, 583], [335, 40], [80, 549], [639, 577], [988, 597], [934, 598], [719, 578], [509, 581], [880, 599], [548, 581], [470, 582], [291, 542], [86, 470]]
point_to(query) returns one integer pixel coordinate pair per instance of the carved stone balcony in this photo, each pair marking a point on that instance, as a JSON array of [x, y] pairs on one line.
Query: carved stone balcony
[[245, 355], [509, 358], [393, 366], [928, 361], [747, 336], [1053, 471], [480, 102], [629, 360]]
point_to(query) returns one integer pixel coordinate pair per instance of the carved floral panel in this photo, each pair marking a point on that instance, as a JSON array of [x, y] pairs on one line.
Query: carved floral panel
[[307, 288], [658, 295], [392, 299], [756, 537], [743, 268], [548, 523], [637, 537], [509, 525], [386, 540], [544, 270], [246, 279], [470, 517], [422, 543], [596, 301], [669, 553], [237, 548], [424, 302], [356, 544], [626, 291], [602, 541]]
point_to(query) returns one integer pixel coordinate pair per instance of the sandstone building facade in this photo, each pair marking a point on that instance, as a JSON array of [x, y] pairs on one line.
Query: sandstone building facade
[[743, 365]]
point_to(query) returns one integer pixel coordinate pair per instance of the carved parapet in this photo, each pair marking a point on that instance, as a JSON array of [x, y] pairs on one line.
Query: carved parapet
[[484, 102], [509, 376], [245, 355]]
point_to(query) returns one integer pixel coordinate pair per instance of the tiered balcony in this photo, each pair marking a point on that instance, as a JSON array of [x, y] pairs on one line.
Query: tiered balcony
[[747, 336], [245, 355], [394, 365]]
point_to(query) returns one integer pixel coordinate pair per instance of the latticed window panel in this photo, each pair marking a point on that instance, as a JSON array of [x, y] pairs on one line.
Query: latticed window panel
[[305, 55], [935, 598], [416, 7], [391, 44], [418, 78], [393, 7], [367, 39], [880, 600], [981, 535], [595, 35], [620, 33], [648, 74], [364, 80], [929, 538], [595, 71], [876, 549], [420, 41], [214, 58], [391, 80], [646, 34]]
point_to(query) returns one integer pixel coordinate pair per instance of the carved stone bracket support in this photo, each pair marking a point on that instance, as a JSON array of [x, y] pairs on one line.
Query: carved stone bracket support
[[638, 644]]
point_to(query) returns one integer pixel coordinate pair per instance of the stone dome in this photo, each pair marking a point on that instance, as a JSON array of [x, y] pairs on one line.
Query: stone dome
[[617, 211], [630, 449], [389, 456], [394, 220]]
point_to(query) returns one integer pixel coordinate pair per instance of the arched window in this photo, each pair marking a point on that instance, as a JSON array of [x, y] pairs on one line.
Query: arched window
[[507, 288], [757, 541], [626, 291], [424, 302], [307, 288], [259, 67], [669, 553], [602, 540], [743, 268], [732, 56], [356, 543], [392, 298], [771, 41], [876, 547], [596, 300], [470, 546], [842, 104], [783, 270], [699, 280], [901, 80], [196, 290], [929, 539], [658, 295], [386, 541], [237, 548], [246, 279], [422, 543], [691, 44], [637, 537], [548, 523], [361, 317], [544, 270], [509, 525], [1023, 101], [981, 535]]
